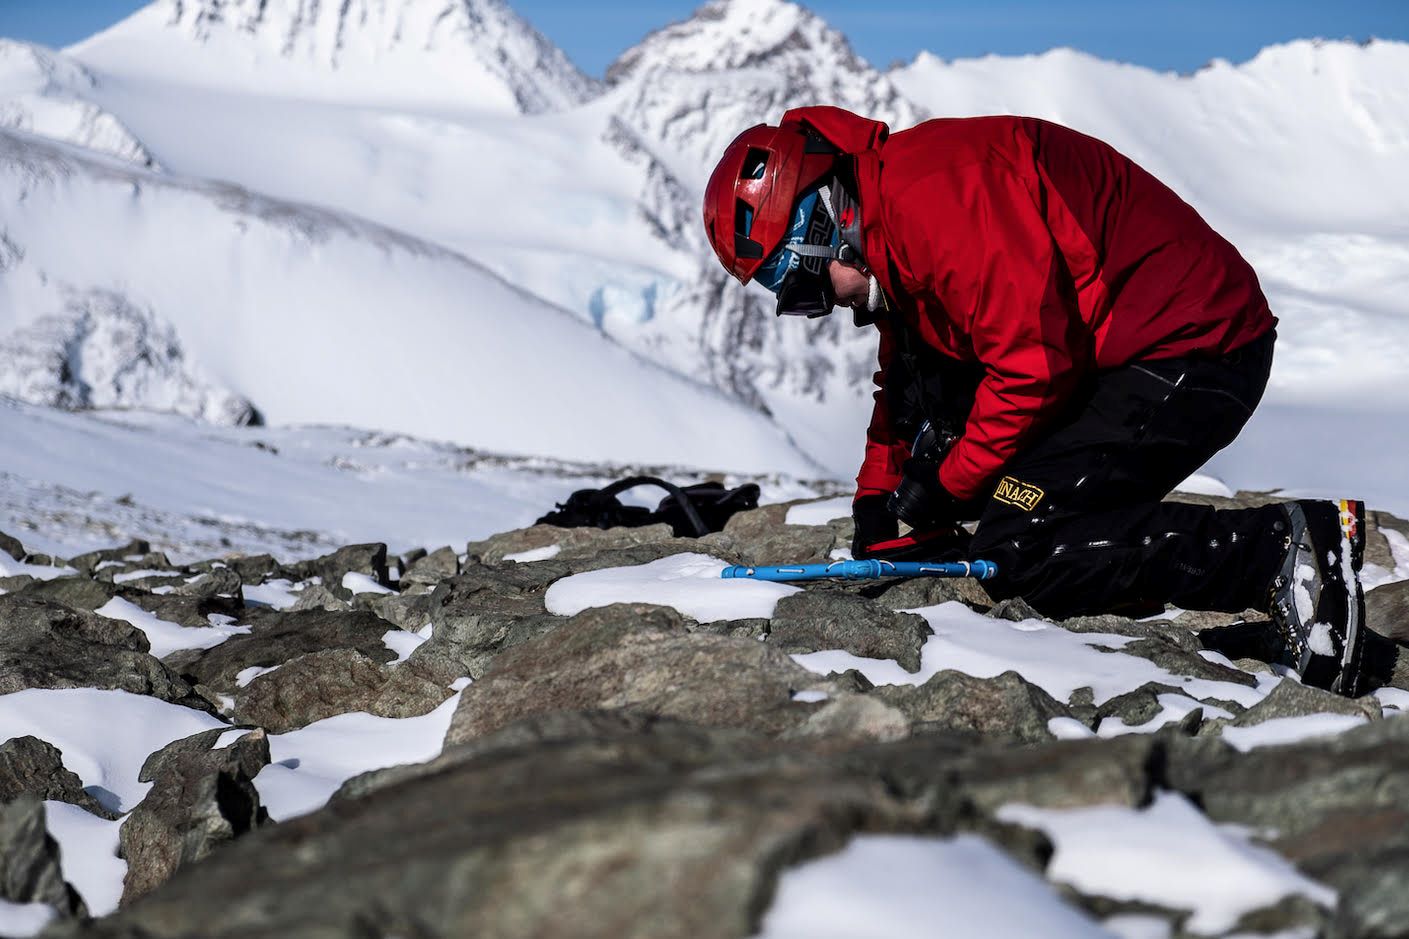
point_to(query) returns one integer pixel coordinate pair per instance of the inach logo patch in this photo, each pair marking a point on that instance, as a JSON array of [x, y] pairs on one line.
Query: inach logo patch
[[1016, 492]]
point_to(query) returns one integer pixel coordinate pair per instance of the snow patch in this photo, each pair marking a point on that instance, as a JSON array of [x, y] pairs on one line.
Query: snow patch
[[362, 583], [819, 513], [1285, 730], [403, 643], [1042, 653], [22, 920], [915, 888], [246, 675], [88, 854], [1167, 853], [167, 637], [309, 764], [688, 582], [535, 554], [105, 736]]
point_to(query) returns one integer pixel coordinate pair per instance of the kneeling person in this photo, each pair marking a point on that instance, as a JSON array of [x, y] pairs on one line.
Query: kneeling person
[[1062, 341]]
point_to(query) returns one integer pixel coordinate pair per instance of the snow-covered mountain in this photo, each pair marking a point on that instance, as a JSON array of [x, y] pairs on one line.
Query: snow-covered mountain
[[687, 90], [45, 92], [315, 316], [457, 52], [592, 204]]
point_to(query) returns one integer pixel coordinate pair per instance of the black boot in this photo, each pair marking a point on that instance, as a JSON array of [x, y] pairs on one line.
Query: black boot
[[1317, 603]]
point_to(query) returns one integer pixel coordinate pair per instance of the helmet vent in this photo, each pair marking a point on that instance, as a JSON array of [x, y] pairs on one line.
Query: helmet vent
[[743, 218], [754, 163]]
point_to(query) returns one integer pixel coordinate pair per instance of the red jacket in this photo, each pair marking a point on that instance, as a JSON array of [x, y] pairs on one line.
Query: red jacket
[[1043, 254]]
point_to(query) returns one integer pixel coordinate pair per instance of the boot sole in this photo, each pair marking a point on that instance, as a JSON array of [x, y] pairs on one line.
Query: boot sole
[[1352, 522]]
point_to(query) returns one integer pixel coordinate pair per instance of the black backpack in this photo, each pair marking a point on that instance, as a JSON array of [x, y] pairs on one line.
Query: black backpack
[[690, 511]]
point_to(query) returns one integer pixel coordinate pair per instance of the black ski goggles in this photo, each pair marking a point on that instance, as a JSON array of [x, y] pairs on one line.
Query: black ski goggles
[[796, 273]]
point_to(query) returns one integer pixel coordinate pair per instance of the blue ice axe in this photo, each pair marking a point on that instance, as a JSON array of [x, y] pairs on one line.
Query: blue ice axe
[[868, 569]]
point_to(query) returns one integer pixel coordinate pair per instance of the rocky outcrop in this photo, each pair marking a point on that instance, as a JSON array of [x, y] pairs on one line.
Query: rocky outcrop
[[636, 658], [47, 645], [629, 771], [276, 638], [30, 766], [200, 799], [336, 681], [29, 859]]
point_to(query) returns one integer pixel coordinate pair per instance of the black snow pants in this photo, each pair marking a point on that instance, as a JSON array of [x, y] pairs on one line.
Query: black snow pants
[[1076, 524]]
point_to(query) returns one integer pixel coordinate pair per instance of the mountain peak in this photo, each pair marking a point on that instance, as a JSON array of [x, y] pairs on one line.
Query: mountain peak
[[475, 51], [729, 34]]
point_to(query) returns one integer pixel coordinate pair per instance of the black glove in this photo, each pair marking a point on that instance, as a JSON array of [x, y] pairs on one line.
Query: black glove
[[874, 524], [921, 501]]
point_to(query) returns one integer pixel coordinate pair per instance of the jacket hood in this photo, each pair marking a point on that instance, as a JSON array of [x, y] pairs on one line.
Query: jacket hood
[[862, 139], [851, 133]]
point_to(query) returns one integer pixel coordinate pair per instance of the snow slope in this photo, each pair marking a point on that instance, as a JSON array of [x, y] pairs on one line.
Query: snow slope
[[71, 483], [316, 316]]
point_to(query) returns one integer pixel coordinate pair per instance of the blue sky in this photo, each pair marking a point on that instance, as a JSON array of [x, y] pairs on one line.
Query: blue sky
[[1162, 34]]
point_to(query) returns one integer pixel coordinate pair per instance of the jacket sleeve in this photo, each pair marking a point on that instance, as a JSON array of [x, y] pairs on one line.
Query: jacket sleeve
[[1000, 273], [886, 452]]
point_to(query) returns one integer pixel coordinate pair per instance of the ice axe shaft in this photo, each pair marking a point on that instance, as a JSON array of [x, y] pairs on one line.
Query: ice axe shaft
[[868, 569]]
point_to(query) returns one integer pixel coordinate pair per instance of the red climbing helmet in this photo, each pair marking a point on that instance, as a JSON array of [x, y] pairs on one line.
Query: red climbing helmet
[[749, 202]]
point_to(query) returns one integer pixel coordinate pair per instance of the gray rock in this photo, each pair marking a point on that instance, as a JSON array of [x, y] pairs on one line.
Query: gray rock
[[571, 542], [253, 569], [46, 645], [369, 559], [220, 582], [200, 799], [336, 681], [915, 592], [11, 546], [439, 565], [16, 582], [1295, 789], [1199, 620], [762, 537], [640, 658], [1162, 630], [185, 611], [845, 718], [80, 593], [319, 597], [87, 562], [816, 620], [1387, 610], [602, 733], [29, 859], [623, 835], [754, 628], [1377, 549], [1291, 699], [1015, 610], [34, 766], [482, 611], [1184, 665], [1139, 707], [411, 612], [1065, 774], [1373, 903], [1005, 706], [277, 637]]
